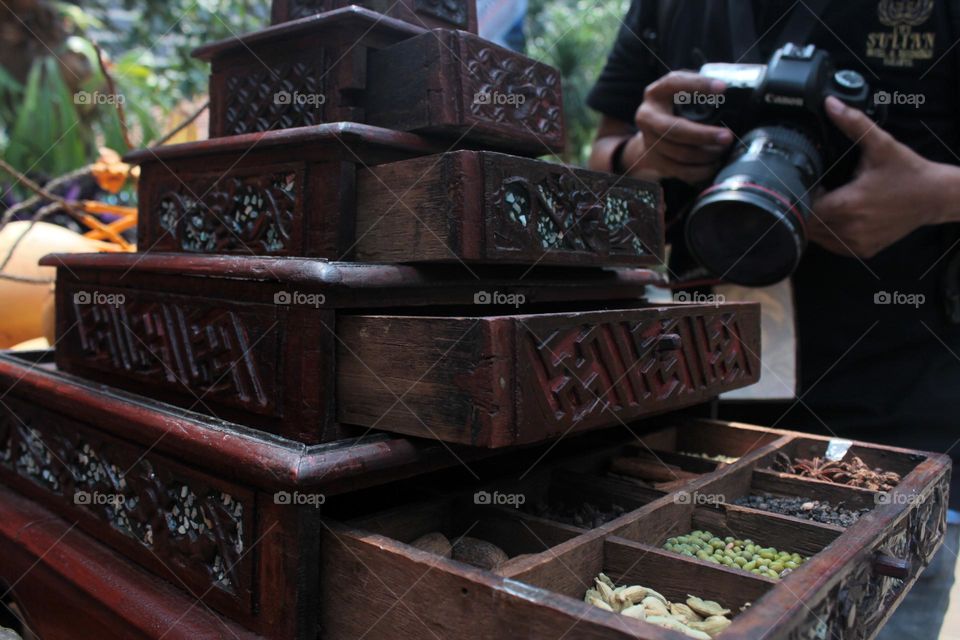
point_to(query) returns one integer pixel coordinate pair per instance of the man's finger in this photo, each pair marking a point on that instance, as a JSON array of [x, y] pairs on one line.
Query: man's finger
[[666, 88], [856, 125], [657, 126]]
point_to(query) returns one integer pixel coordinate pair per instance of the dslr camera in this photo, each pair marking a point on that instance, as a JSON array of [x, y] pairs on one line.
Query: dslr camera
[[748, 226]]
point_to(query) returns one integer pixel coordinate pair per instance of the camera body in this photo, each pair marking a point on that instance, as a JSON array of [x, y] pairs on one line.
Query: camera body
[[748, 226]]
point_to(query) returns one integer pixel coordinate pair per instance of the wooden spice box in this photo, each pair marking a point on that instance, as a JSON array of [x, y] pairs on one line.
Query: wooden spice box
[[343, 191], [852, 583], [345, 569], [454, 14], [341, 65], [250, 340]]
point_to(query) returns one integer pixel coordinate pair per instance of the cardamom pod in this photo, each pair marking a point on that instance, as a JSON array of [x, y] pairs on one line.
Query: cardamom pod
[[706, 607]]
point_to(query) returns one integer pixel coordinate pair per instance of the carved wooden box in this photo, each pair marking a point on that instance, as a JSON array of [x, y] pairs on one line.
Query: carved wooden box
[[252, 340], [478, 206], [323, 533], [452, 14], [340, 66], [464, 88], [298, 73]]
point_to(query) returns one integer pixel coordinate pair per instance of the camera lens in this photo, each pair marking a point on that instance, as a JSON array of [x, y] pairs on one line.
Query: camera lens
[[748, 227]]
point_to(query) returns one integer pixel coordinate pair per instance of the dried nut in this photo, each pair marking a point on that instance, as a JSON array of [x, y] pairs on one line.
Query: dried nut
[[668, 622], [633, 594], [598, 602], [479, 553], [607, 593], [606, 580], [655, 607], [434, 542], [635, 611], [706, 607], [684, 613], [712, 625]]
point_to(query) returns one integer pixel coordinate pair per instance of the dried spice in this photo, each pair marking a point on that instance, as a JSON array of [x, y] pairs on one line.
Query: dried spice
[[719, 457], [816, 510], [584, 514], [473, 551], [696, 618], [853, 472], [736, 554]]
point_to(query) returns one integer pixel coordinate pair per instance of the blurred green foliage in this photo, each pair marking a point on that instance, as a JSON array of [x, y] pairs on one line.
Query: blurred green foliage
[[575, 37], [53, 120]]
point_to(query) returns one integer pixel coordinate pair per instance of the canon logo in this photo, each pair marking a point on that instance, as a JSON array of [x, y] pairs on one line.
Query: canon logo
[[788, 101]]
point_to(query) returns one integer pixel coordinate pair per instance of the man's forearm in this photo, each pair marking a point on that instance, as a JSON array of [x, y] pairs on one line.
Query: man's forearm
[[947, 198]]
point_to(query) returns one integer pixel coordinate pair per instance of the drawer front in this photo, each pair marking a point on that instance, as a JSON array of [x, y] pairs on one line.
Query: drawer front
[[502, 380], [489, 207], [188, 527]]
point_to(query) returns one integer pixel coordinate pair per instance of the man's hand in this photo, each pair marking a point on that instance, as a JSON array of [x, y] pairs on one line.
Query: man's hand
[[669, 146], [894, 191]]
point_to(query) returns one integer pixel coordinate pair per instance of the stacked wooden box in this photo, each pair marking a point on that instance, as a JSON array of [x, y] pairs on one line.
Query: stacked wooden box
[[363, 292]]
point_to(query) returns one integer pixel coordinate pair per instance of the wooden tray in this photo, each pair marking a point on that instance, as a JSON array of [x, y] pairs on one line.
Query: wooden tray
[[453, 14], [478, 206], [250, 339], [853, 583], [340, 66]]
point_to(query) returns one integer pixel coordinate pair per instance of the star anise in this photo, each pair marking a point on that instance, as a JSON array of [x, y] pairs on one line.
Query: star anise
[[853, 472]]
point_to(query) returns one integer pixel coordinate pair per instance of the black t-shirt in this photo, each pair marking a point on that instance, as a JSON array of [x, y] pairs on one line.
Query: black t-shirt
[[880, 372]]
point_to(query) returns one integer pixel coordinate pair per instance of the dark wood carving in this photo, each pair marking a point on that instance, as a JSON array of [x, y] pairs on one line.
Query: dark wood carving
[[244, 195], [458, 14], [508, 378], [298, 73], [248, 214], [221, 354], [284, 95], [488, 207], [467, 90], [195, 528]]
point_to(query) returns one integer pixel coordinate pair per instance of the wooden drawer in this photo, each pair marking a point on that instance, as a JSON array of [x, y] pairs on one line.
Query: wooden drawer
[[853, 581], [251, 339], [453, 14], [468, 90], [477, 206], [501, 380]]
